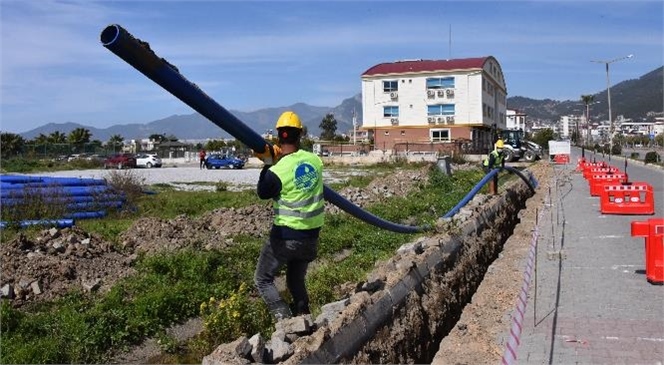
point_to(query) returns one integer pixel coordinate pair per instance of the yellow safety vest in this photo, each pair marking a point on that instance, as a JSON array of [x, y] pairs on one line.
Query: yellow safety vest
[[301, 204], [498, 159]]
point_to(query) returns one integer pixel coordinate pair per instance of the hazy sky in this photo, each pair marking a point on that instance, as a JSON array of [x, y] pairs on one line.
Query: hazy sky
[[249, 55]]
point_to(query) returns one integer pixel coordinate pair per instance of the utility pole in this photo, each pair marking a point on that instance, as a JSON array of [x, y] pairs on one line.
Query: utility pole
[[608, 96], [354, 127]]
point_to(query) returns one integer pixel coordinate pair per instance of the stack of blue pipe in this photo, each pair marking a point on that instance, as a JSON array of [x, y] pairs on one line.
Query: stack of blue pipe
[[84, 197]]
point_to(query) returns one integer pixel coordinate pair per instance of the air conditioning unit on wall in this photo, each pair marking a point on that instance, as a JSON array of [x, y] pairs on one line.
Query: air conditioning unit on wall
[[431, 93], [394, 121], [431, 120], [441, 92], [450, 119], [440, 119], [449, 92], [394, 95]]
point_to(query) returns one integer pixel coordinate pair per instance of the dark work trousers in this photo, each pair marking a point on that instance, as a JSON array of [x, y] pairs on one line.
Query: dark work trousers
[[296, 255], [493, 183]]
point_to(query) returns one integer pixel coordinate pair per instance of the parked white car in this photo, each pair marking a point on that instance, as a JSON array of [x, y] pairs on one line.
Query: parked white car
[[148, 160]]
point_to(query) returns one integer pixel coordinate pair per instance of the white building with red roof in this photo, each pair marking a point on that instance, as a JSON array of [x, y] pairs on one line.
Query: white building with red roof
[[434, 101]]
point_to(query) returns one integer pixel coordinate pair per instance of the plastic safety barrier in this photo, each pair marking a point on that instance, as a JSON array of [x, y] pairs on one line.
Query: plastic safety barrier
[[561, 159], [597, 182], [584, 165], [629, 198], [599, 170], [653, 232]]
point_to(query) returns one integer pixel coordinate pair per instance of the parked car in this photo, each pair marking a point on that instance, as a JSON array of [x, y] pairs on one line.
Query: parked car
[[120, 161], [219, 161], [148, 160]]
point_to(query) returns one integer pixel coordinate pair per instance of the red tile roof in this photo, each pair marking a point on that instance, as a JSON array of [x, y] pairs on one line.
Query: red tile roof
[[414, 66]]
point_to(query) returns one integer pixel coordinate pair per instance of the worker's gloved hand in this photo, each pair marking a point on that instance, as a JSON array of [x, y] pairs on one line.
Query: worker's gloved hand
[[270, 155]]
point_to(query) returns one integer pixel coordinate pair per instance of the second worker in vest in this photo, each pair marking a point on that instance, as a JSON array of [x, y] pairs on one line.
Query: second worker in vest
[[293, 178], [496, 159]]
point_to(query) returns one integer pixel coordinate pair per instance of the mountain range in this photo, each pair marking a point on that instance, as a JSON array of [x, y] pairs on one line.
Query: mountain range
[[630, 98]]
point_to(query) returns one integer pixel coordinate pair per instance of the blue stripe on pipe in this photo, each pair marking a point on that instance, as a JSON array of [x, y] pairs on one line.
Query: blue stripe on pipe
[[60, 223]]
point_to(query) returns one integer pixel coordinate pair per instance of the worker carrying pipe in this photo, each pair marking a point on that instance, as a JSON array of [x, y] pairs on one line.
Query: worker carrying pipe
[[495, 159], [139, 55], [293, 179]]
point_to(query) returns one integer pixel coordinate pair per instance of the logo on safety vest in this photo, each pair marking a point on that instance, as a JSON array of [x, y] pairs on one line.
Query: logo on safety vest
[[305, 176]]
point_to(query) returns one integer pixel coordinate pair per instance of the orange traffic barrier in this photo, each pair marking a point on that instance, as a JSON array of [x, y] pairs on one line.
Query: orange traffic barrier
[[653, 231], [561, 159], [590, 165], [628, 198], [580, 163], [597, 182], [587, 173]]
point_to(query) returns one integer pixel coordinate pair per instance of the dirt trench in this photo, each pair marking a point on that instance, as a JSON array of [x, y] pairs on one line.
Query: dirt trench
[[424, 293]]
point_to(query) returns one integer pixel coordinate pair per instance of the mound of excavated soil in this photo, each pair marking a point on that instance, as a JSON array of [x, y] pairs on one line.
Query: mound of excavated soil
[[59, 260]]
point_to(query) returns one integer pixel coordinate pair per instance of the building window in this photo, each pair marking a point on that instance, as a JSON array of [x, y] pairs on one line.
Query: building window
[[439, 135], [390, 111], [390, 85], [440, 109], [440, 83]]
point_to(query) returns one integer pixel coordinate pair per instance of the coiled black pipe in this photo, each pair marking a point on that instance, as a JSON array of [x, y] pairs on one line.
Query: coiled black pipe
[[139, 55]]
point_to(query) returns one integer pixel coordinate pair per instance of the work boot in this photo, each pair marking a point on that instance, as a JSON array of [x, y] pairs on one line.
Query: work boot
[[300, 308], [280, 310]]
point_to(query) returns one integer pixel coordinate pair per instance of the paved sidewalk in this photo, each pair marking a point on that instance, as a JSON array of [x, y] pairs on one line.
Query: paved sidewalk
[[590, 302]]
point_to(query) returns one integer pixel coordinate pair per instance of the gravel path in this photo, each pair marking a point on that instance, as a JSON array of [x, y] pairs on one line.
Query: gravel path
[[192, 178], [182, 178]]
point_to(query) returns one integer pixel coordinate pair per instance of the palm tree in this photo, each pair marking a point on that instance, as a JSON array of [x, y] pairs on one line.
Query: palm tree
[[588, 99], [79, 137], [10, 144], [115, 141], [41, 139], [57, 137]]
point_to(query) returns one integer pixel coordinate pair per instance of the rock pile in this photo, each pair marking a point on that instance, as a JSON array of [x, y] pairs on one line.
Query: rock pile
[[59, 260]]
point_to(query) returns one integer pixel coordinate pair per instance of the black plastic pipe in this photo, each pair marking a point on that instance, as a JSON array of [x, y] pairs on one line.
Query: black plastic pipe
[[139, 55], [532, 184]]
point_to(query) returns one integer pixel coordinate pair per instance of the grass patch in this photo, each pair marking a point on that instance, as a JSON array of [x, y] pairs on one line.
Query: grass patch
[[171, 287]]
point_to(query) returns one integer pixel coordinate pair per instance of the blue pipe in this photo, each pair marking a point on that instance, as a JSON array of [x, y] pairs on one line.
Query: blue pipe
[[19, 179], [55, 191], [531, 182], [139, 55], [86, 215], [68, 199], [60, 223], [95, 205]]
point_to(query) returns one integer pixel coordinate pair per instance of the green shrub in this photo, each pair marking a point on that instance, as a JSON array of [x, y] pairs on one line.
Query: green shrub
[[237, 315], [652, 157], [616, 149], [635, 155], [126, 182], [221, 186]]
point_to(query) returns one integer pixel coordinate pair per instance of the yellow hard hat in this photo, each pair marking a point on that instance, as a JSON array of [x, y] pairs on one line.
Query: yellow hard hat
[[289, 119], [500, 144]]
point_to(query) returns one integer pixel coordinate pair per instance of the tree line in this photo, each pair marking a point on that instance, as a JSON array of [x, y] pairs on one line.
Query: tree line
[[80, 140]]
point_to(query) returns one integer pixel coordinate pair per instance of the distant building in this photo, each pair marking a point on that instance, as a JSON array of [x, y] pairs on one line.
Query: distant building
[[434, 101], [516, 120], [568, 124]]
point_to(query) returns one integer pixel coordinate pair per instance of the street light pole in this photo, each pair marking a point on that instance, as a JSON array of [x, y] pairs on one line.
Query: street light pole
[[608, 96]]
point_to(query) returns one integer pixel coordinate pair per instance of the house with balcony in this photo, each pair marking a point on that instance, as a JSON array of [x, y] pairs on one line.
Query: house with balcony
[[516, 120], [434, 102]]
